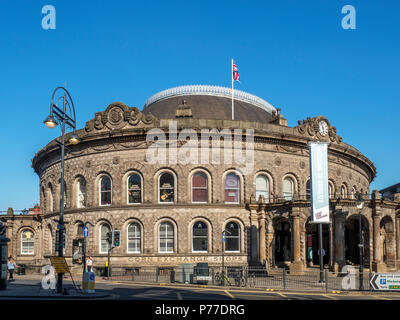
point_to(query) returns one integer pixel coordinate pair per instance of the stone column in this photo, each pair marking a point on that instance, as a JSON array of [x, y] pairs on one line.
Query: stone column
[[398, 242], [339, 220], [297, 266], [377, 263], [254, 233], [263, 252]]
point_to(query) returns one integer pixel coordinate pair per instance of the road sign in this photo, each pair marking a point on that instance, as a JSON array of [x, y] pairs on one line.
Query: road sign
[[223, 237], [86, 232], [385, 281]]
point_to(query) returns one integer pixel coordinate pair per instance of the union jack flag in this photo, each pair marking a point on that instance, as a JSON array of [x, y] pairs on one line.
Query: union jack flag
[[235, 72]]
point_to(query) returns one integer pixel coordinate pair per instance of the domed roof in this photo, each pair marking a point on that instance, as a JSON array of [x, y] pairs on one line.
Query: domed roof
[[209, 102]]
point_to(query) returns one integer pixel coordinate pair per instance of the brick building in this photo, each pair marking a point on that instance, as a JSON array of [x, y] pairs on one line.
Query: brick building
[[174, 212]]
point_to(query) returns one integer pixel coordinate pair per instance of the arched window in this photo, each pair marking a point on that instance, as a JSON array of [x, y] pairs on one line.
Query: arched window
[[166, 237], [79, 230], [50, 198], [308, 189], [200, 187], [353, 192], [104, 244], [232, 188], [134, 189], [105, 191], [27, 242], [200, 237], [331, 190], [81, 193], [166, 188], [262, 187], [134, 237], [288, 188], [232, 240], [343, 192]]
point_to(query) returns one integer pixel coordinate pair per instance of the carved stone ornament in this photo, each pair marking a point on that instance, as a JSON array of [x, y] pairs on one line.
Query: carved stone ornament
[[319, 128], [302, 165], [278, 161], [117, 116]]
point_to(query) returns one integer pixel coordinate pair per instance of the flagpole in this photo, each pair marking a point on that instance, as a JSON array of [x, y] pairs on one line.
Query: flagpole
[[232, 92]]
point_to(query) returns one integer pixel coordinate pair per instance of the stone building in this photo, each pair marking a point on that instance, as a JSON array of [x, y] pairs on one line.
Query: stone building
[[173, 210]]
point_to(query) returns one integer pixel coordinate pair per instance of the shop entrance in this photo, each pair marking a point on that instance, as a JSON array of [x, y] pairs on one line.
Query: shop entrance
[[283, 246]]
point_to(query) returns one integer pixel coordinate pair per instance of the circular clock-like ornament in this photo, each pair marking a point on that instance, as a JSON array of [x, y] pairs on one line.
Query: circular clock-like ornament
[[323, 128]]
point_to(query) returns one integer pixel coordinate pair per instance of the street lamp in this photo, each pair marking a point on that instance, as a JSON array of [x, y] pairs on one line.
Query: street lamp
[[64, 118], [360, 205], [223, 249]]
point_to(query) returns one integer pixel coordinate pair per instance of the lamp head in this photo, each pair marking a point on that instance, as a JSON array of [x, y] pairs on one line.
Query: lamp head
[[50, 122], [74, 139]]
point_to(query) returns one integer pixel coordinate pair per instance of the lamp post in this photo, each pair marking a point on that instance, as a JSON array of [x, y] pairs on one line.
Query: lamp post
[[360, 205], [223, 249], [68, 119]]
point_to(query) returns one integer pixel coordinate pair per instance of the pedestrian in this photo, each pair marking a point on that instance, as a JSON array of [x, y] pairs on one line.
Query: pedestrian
[[89, 264], [11, 267]]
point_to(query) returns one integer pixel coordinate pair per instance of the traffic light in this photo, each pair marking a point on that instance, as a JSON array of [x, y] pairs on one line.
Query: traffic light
[[116, 238], [109, 237]]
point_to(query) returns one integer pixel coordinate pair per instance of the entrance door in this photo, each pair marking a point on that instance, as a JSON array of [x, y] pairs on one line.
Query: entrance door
[[282, 242]]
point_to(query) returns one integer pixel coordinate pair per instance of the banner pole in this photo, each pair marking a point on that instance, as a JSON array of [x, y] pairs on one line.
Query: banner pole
[[232, 92], [321, 255]]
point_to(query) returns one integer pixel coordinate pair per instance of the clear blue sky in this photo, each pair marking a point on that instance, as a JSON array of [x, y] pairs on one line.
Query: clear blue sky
[[294, 54]]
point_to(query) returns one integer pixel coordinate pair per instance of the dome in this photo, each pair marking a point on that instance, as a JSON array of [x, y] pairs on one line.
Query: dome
[[209, 102]]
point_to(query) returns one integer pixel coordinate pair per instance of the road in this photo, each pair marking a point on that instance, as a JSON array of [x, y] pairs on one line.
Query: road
[[125, 290]]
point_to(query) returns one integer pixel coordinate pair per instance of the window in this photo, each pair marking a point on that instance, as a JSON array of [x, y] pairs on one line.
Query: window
[[134, 238], [288, 188], [232, 188], [79, 230], [81, 193], [50, 198], [134, 189], [331, 190], [308, 190], [104, 244], [343, 192], [200, 187], [166, 188], [27, 242], [232, 240], [353, 192], [105, 191], [166, 237], [200, 237], [262, 187]]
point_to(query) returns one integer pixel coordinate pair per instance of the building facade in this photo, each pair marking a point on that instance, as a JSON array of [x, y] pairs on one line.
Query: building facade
[[138, 172]]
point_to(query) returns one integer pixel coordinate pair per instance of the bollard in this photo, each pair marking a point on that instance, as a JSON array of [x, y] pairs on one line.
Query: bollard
[[326, 280], [157, 270], [284, 278]]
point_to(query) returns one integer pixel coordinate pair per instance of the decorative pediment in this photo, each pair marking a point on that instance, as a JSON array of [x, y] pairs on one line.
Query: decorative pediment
[[117, 116], [318, 128]]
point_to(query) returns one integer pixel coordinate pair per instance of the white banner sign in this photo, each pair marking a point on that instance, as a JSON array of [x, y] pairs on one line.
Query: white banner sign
[[319, 182]]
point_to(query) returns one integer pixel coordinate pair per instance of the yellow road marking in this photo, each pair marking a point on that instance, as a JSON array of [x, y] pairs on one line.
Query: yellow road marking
[[230, 295], [179, 296], [281, 294], [383, 298], [328, 296]]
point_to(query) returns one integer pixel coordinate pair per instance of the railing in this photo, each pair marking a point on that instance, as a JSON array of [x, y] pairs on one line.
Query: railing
[[250, 277], [211, 90]]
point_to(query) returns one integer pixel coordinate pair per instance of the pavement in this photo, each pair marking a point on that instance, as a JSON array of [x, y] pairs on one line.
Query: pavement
[[29, 287]]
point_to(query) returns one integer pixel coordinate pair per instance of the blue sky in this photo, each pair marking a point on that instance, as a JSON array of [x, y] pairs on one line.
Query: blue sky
[[294, 54]]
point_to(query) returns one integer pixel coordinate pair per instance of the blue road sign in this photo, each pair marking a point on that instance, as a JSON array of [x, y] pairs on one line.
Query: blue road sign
[[86, 232]]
